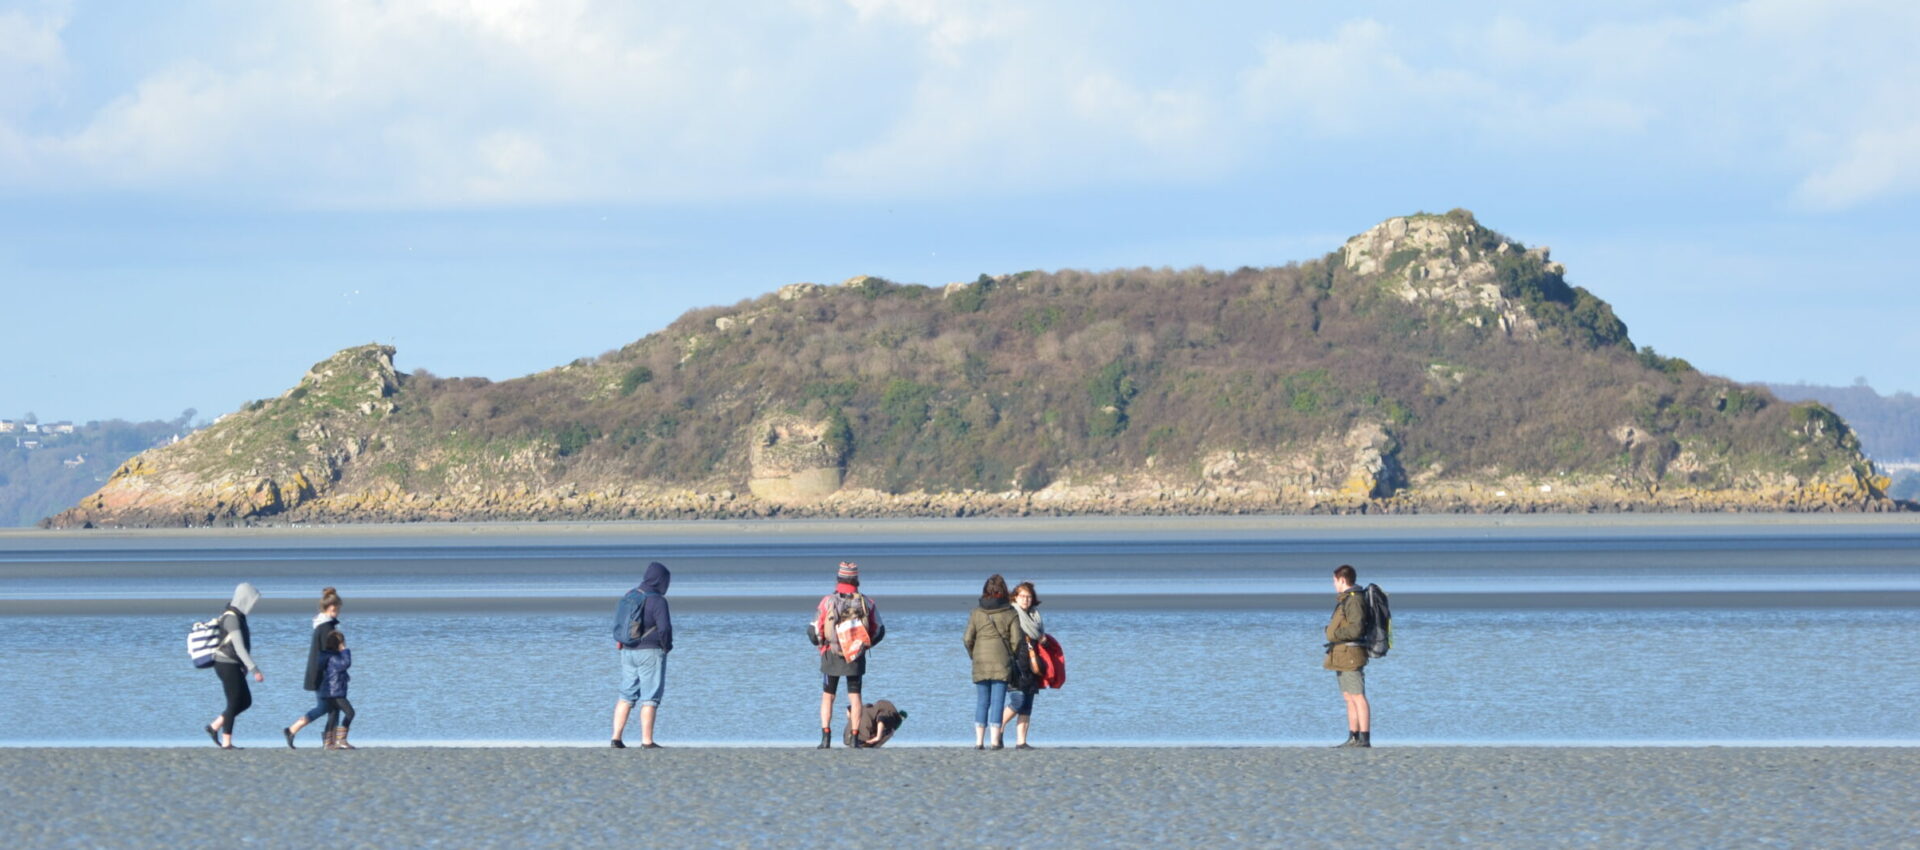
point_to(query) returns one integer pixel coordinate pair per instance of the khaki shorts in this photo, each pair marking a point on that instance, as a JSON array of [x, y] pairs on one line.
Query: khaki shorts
[[1352, 681]]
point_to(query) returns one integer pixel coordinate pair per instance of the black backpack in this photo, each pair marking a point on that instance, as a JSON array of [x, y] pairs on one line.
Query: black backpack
[[1378, 637]]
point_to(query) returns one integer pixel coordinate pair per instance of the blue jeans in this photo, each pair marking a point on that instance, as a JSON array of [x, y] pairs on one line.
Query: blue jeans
[[989, 700], [318, 711]]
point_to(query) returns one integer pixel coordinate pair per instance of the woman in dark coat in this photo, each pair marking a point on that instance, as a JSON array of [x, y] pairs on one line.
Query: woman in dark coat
[[991, 639], [1026, 606], [324, 623]]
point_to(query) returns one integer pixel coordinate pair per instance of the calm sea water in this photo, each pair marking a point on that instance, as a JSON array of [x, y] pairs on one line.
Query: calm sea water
[[1608, 637]]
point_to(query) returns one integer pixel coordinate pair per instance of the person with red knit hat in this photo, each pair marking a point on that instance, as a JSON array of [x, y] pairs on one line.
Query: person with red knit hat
[[845, 625]]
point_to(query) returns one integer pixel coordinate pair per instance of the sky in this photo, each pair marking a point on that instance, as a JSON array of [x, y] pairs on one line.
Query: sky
[[199, 200]]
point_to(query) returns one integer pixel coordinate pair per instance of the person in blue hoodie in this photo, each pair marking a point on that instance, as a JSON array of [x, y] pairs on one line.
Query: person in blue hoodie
[[643, 629], [333, 691]]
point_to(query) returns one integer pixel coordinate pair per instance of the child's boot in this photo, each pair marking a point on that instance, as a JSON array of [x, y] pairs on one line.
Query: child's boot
[[340, 741]]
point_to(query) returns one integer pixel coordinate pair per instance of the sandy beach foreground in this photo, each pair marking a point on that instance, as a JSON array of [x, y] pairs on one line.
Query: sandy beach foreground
[[1429, 796]]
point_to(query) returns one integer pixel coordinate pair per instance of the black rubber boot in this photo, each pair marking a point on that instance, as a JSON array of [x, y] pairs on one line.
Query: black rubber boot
[[1366, 740], [1353, 739], [826, 740]]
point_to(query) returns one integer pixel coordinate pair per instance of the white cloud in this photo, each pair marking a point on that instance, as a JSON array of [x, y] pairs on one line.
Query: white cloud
[[1874, 163], [451, 102]]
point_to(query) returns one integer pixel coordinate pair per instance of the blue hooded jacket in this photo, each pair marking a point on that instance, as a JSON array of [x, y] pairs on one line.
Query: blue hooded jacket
[[650, 600], [333, 681]]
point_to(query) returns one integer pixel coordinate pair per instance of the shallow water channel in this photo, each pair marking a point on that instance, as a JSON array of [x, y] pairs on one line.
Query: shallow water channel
[[1175, 631]]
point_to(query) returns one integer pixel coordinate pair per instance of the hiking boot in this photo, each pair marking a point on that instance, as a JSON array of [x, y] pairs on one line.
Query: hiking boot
[[826, 740], [619, 744], [288, 731]]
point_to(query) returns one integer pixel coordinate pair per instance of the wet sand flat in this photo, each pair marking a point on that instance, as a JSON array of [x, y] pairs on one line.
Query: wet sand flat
[[1424, 796]]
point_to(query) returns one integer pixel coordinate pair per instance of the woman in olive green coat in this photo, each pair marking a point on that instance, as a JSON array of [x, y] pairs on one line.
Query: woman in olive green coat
[[992, 637]]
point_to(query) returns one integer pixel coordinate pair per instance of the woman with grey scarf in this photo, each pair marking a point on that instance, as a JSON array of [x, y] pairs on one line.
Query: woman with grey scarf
[[1026, 606]]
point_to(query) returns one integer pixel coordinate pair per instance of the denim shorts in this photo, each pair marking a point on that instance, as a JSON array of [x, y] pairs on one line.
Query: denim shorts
[[643, 675], [1022, 701]]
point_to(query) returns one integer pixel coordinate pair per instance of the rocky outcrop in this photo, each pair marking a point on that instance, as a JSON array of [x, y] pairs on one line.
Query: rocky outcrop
[[271, 457], [1438, 262]]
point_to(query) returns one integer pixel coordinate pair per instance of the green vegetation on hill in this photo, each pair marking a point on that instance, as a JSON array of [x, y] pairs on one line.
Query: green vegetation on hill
[[991, 385], [1888, 425]]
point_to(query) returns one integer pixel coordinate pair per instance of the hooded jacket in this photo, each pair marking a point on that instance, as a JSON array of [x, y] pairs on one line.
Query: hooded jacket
[[334, 682], [992, 636], [236, 644], [323, 625], [649, 603]]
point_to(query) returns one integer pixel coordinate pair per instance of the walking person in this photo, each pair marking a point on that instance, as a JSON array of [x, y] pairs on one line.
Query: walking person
[[1347, 658], [324, 623], [232, 661], [991, 639], [643, 630], [845, 625], [1026, 663], [333, 692]]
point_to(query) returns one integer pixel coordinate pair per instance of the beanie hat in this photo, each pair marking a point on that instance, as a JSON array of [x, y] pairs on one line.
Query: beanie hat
[[848, 570]]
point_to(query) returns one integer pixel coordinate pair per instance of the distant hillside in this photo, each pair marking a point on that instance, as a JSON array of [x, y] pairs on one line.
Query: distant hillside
[[42, 474], [1888, 426], [1428, 364]]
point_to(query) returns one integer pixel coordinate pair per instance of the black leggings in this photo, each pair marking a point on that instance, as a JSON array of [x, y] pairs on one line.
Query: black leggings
[[831, 684], [339, 713], [233, 680]]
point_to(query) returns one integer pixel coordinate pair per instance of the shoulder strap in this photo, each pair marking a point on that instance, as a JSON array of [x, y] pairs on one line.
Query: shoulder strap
[[1012, 648]]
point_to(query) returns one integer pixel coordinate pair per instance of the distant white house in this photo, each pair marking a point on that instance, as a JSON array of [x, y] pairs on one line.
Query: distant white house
[[29, 444], [30, 427], [58, 428], [7, 426], [74, 461]]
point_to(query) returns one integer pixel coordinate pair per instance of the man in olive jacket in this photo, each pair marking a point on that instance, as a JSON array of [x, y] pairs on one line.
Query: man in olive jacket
[[1346, 658]]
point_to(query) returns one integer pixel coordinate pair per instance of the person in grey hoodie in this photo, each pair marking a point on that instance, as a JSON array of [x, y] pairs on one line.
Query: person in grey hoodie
[[643, 631], [232, 661]]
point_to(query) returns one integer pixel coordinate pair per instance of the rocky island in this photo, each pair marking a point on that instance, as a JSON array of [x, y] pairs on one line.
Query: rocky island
[[1429, 364]]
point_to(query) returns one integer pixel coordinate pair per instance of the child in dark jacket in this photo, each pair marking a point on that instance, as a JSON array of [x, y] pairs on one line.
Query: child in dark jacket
[[333, 691]]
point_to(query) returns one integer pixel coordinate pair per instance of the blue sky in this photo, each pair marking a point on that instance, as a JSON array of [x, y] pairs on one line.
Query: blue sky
[[200, 199]]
